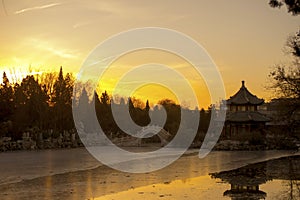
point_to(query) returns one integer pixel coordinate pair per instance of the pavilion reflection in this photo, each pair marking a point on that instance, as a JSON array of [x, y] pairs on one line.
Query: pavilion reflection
[[245, 181]]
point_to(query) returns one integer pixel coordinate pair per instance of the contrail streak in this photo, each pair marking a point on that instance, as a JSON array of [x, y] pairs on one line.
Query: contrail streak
[[4, 8], [37, 8]]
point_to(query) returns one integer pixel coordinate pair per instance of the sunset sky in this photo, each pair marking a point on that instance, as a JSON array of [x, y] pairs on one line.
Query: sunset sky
[[245, 38]]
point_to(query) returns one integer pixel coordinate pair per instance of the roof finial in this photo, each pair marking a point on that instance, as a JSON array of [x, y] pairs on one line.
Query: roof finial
[[243, 83]]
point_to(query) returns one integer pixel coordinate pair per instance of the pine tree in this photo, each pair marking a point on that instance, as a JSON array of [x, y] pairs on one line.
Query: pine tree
[[60, 100], [30, 104], [147, 108], [6, 99]]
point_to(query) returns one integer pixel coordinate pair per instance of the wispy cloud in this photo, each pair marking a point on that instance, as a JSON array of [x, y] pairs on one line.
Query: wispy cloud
[[61, 53], [80, 24], [37, 8], [49, 47]]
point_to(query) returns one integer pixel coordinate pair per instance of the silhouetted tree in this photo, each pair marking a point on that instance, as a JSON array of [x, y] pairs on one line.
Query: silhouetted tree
[[146, 118], [137, 103], [293, 6], [286, 78], [30, 105], [69, 85], [104, 114], [293, 44], [173, 115], [130, 105], [62, 102], [105, 100], [47, 80], [147, 108], [6, 99]]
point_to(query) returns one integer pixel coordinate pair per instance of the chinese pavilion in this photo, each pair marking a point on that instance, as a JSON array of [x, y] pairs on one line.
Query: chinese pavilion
[[243, 115]]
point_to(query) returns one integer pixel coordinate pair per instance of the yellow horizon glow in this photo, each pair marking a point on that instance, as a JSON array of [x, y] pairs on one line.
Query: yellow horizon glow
[[152, 91]]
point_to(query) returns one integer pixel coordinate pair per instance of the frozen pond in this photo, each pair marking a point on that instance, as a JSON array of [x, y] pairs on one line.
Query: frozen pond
[[75, 174]]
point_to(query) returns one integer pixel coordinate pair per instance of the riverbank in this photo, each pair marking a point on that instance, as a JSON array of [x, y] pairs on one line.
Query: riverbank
[[74, 174]]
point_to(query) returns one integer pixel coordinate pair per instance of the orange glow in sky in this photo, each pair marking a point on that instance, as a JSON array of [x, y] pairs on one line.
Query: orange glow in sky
[[156, 92], [244, 38]]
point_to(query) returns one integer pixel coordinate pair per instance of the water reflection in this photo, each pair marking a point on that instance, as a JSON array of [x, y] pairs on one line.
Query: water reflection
[[274, 179], [245, 181]]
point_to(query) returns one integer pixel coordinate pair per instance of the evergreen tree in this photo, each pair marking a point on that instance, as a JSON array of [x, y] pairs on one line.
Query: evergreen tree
[[147, 108], [145, 116], [62, 102], [68, 94], [6, 99], [31, 104]]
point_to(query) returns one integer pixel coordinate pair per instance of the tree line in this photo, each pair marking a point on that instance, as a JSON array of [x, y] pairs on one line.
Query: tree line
[[44, 102], [38, 101]]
